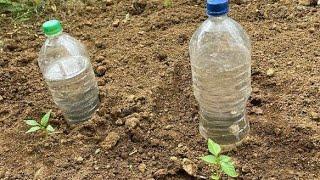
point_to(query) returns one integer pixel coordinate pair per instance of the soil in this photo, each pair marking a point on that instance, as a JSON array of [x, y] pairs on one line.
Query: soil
[[147, 122]]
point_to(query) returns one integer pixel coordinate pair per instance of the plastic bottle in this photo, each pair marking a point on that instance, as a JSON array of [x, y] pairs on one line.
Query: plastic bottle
[[220, 55], [66, 68]]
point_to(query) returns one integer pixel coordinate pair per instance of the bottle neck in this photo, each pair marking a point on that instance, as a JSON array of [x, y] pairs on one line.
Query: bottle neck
[[54, 35], [222, 16]]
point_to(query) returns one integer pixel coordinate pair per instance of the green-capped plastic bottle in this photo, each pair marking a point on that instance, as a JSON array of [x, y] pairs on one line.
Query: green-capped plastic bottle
[[65, 65]]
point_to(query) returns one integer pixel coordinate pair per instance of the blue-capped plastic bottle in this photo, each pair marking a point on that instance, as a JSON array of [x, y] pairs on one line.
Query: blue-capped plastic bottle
[[65, 65], [220, 54]]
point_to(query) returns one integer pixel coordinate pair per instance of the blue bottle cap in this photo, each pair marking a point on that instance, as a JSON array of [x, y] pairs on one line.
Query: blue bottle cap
[[217, 7]]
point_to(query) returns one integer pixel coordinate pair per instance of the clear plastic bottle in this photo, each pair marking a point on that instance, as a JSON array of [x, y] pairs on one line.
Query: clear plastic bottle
[[220, 54], [66, 67]]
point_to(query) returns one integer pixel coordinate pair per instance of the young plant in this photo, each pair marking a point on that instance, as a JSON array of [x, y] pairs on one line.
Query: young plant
[[220, 163], [43, 125], [167, 3]]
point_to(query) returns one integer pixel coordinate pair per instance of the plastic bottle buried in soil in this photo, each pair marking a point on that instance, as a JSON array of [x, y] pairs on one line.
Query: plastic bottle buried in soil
[[220, 55], [69, 75]]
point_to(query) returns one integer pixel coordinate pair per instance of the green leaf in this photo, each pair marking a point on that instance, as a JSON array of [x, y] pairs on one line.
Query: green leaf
[[213, 147], [209, 159], [228, 168], [32, 122], [33, 129], [45, 119], [215, 177], [50, 128], [224, 158]]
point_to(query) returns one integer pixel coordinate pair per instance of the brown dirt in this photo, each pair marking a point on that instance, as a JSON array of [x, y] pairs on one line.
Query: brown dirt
[[148, 78]]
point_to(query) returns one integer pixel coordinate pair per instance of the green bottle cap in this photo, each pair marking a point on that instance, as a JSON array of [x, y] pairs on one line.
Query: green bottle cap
[[52, 27]]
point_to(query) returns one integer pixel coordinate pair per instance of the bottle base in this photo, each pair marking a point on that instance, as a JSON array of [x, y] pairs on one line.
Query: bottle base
[[86, 114], [228, 137]]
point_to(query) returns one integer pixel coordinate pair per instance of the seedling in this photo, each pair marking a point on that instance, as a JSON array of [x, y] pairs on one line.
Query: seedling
[[220, 163], [43, 125], [167, 3]]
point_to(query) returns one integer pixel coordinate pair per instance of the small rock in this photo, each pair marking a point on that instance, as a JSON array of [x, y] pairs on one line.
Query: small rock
[[116, 23], [189, 166], [173, 158], [101, 82], [100, 45], [141, 32], [62, 141], [110, 141], [101, 70], [97, 151], [100, 59], [142, 167], [308, 2], [312, 30], [270, 72], [168, 127], [108, 2], [79, 159], [119, 122], [255, 90], [132, 122], [315, 116], [1, 98], [138, 6], [277, 131], [131, 98], [257, 110]]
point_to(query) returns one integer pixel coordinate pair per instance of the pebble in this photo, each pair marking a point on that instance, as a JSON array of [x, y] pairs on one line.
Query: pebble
[[97, 151], [119, 122], [108, 2], [315, 116], [101, 82], [257, 110], [116, 23], [101, 70], [312, 30], [132, 122], [110, 141], [100, 59], [189, 166], [173, 158], [79, 159], [255, 90], [142, 167], [1, 98], [270, 72]]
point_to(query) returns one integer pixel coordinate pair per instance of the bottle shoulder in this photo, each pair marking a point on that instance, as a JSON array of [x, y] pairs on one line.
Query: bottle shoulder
[[220, 30], [64, 44]]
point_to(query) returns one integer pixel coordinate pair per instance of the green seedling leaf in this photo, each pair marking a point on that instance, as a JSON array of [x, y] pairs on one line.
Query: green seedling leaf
[[32, 122], [224, 158], [228, 168], [50, 128], [215, 177], [45, 119], [33, 129], [209, 159], [213, 147]]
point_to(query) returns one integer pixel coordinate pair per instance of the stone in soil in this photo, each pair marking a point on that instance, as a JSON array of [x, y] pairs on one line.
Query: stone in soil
[[110, 141], [315, 116], [189, 166], [116, 23], [138, 6], [101, 70], [132, 122], [142, 167], [108, 2], [270, 72], [257, 111]]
